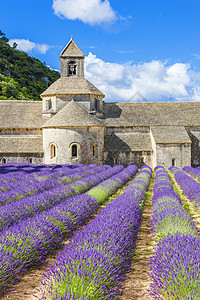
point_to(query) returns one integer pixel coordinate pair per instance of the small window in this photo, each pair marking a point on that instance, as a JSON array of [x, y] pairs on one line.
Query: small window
[[116, 161], [3, 161], [72, 68], [173, 161], [97, 104], [30, 160], [95, 150], [53, 151], [74, 151], [48, 104], [142, 160]]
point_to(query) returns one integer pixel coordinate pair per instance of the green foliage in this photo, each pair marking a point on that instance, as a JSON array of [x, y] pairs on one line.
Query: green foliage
[[3, 37], [172, 225], [99, 194], [21, 76]]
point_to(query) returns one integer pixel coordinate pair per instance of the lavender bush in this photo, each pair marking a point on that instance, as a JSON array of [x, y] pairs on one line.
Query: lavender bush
[[29, 242], [195, 173], [175, 265], [190, 188], [27, 188], [97, 258], [28, 207], [10, 180]]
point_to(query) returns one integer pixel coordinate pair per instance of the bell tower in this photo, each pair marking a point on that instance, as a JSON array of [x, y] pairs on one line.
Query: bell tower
[[72, 60]]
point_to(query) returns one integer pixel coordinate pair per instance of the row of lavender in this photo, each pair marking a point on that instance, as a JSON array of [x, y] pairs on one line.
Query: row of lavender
[[93, 265], [26, 189], [190, 188], [28, 207], [28, 242], [12, 181], [15, 171], [175, 265], [194, 172]]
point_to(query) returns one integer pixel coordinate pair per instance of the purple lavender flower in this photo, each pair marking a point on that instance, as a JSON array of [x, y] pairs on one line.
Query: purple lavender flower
[[175, 265], [28, 242], [94, 264]]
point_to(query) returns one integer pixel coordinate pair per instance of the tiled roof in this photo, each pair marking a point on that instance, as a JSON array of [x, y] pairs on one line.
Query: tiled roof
[[130, 141], [20, 114], [71, 50], [170, 134], [72, 115], [152, 114], [21, 144], [71, 86]]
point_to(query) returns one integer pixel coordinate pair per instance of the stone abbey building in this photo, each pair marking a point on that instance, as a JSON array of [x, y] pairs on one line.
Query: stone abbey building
[[72, 124]]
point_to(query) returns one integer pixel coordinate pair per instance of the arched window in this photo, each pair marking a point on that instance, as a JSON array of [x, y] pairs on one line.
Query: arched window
[[30, 160], [74, 151], [173, 161], [3, 161], [95, 148], [72, 68], [53, 150]]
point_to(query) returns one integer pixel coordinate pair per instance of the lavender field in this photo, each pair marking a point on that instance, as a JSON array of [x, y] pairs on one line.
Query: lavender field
[[91, 218]]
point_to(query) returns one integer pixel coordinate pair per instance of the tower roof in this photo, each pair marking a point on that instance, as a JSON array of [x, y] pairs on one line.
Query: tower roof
[[73, 115], [71, 85], [71, 50]]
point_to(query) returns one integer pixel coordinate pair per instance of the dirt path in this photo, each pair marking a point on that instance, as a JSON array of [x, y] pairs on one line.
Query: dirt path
[[194, 214], [138, 280]]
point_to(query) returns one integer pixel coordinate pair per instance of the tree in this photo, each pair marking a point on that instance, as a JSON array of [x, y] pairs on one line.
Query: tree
[[3, 37], [15, 45], [29, 74]]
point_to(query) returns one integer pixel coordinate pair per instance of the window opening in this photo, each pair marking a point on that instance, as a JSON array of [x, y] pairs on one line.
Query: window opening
[[3, 161], [141, 160], [74, 151], [30, 160], [116, 161], [173, 161], [95, 150], [96, 104], [53, 151], [48, 104], [72, 68]]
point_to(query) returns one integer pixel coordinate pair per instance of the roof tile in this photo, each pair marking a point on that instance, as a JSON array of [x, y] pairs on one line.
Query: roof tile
[[72, 115]]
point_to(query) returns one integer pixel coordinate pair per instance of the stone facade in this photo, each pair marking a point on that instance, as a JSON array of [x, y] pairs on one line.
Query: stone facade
[[64, 138], [72, 125]]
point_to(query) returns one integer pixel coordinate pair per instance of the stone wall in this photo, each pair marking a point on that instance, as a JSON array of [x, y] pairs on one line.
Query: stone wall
[[194, 134], [64, 138], [21, 131], [126, 158], [21, 157], [180, 152], [64, 65], [154, 149]]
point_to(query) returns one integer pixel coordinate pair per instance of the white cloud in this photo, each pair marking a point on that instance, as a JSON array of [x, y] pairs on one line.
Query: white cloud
[[88, 11], [28, 46], [153, 81]]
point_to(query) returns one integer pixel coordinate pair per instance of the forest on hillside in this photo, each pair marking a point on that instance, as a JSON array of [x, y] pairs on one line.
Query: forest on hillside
[[22, 77]]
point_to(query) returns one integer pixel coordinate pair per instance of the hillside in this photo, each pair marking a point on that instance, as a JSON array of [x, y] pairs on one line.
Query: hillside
[[22, 76]]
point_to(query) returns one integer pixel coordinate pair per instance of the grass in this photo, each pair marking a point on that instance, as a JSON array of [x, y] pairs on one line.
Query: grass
[[179, 192]]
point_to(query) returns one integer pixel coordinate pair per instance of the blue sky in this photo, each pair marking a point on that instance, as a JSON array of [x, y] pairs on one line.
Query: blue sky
[[135, 50]]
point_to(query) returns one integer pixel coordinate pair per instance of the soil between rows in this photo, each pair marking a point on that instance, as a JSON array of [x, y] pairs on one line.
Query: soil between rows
[[137, 282]]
